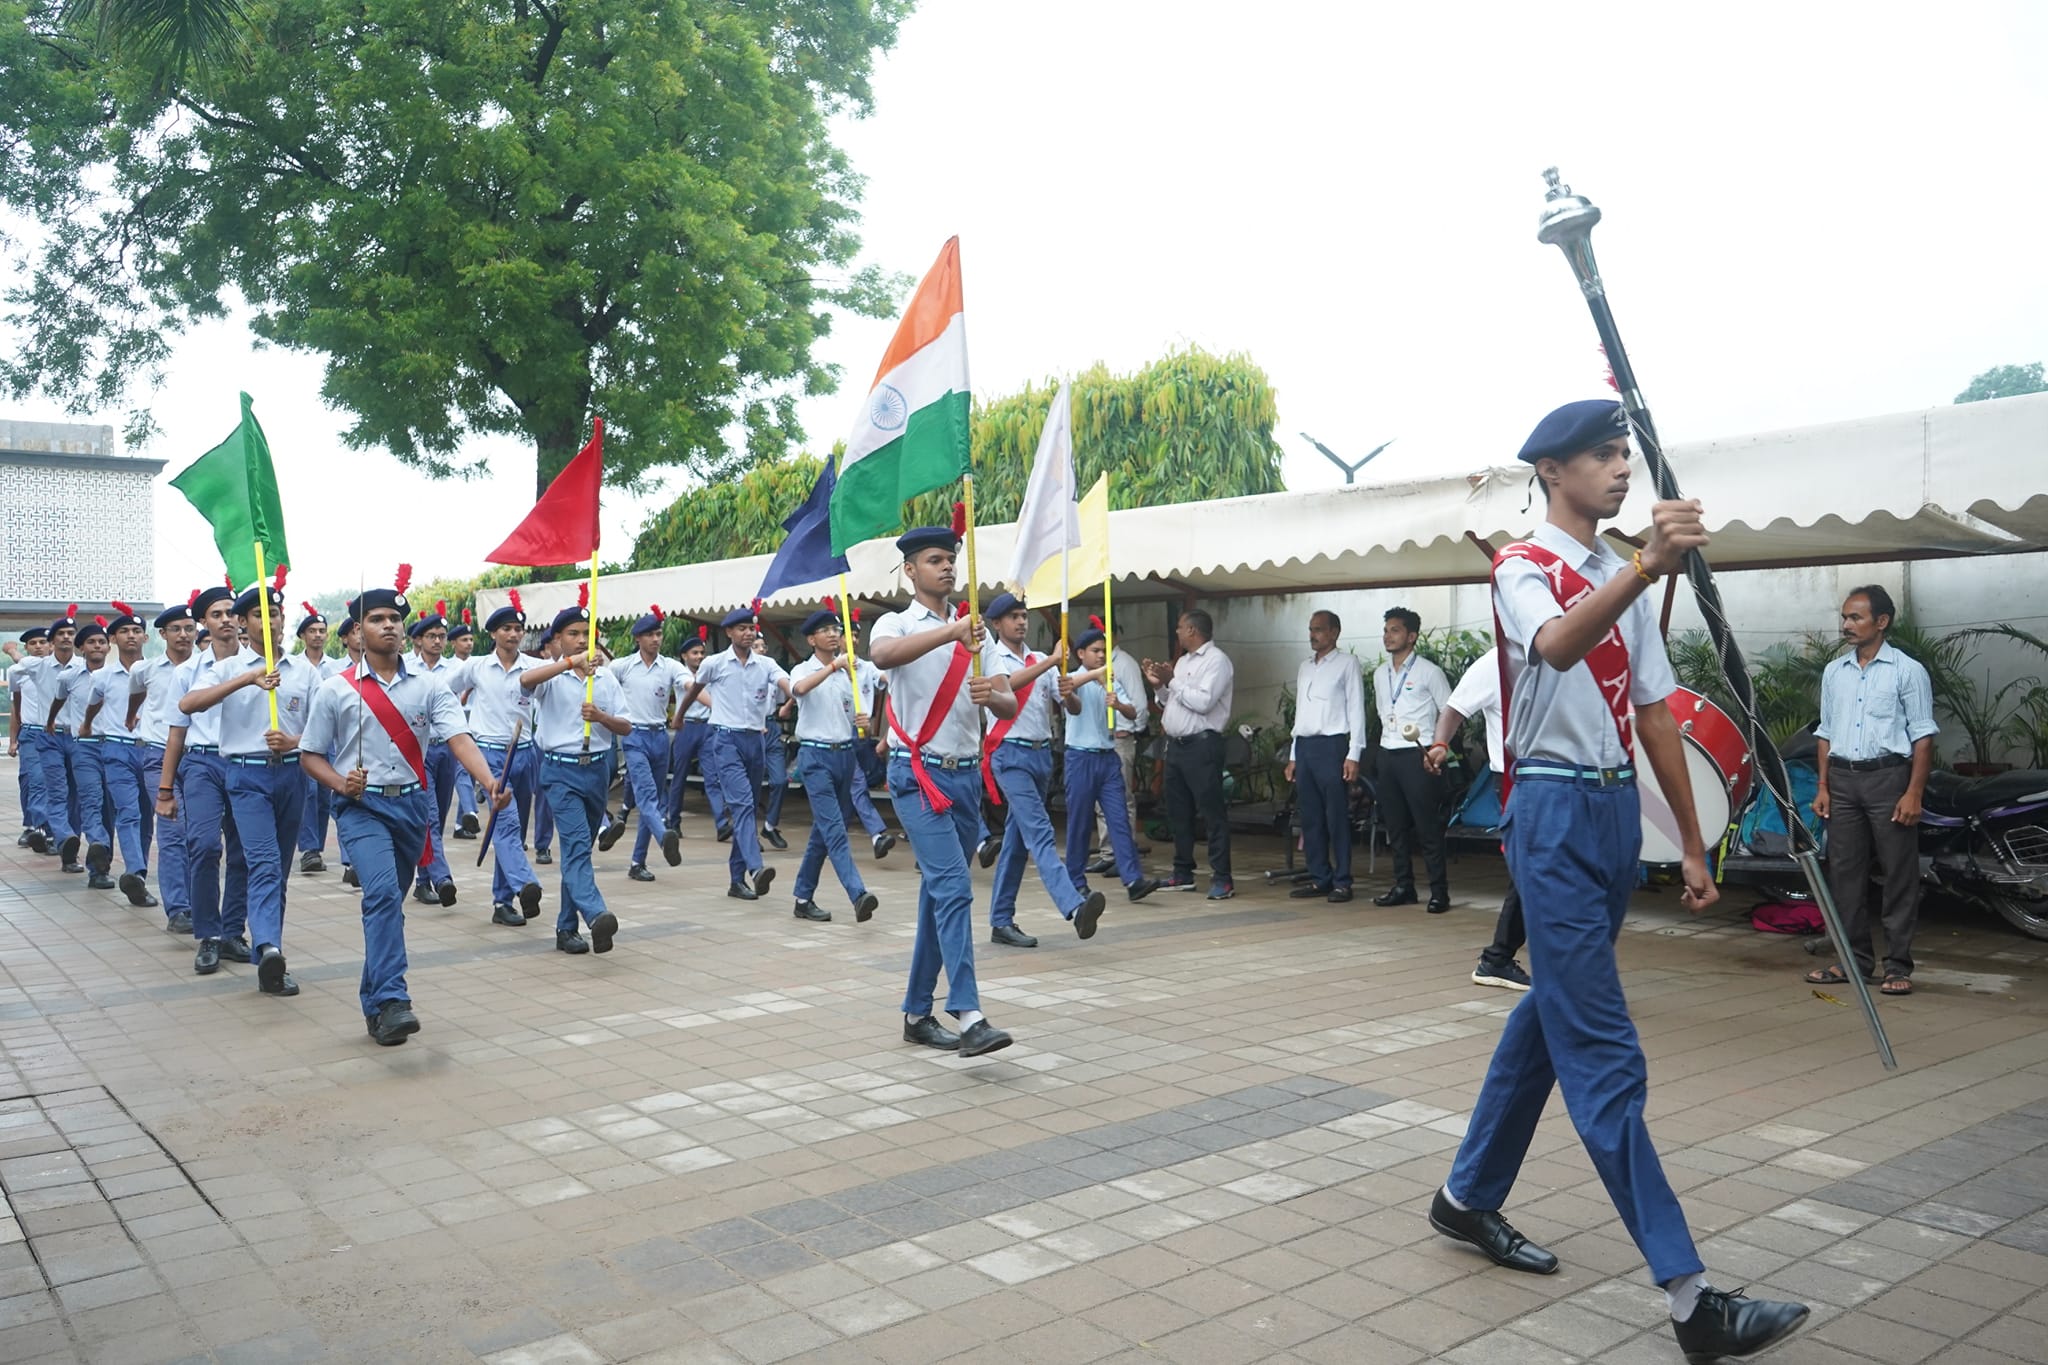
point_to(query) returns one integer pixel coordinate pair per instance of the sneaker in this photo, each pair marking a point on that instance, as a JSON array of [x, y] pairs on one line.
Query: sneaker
[[311, 861], [1178, 883], [1221, 891], [1507, 975]]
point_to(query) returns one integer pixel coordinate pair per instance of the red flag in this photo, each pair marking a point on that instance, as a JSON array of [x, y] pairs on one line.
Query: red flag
[[562, 527]]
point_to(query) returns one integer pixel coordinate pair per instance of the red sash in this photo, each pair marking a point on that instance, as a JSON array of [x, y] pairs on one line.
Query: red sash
[[999, 732], [399, 733], [1608, 659], [942, 703]]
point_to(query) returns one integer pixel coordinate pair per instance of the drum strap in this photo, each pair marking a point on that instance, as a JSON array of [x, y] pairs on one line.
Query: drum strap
[[1608, 659]]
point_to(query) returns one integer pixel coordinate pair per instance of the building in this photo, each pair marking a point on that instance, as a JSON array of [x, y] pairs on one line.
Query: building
[[77, 523]]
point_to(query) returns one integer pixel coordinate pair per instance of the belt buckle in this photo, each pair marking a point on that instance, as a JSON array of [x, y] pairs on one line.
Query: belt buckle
[[949, 763]]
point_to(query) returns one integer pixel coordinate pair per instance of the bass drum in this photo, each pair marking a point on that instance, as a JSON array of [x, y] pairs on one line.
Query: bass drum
[[1718, 760]]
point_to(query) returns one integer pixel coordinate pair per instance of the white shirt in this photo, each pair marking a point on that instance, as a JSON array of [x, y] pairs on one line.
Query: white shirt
[[110, 688], [1198, 697], [45, 682], [342, 724], [496, 700], [1412, 694], [699, 709], [245, 715], [78, 694], [650, 687], [558, 712], [914, 686], [1034, 716], [740, 691], [1130, 679], [824, 715], [202, 730], [1329, 699], [164, 683], [1563, 717], [1478, 692]]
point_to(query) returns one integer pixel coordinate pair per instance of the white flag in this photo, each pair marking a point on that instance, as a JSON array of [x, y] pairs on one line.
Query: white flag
[[1049, 521]]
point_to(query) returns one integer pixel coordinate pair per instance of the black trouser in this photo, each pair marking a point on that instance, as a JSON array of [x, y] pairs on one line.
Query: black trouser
[[1860, 829], [1194, 784], [1508, 935], [1414, 804], [1325, 807]]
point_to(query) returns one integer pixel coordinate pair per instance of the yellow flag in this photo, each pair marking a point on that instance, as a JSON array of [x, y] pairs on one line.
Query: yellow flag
[[1086, 566]]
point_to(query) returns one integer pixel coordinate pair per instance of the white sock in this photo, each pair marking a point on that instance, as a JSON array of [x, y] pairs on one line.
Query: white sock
[[1452, 1200], [967, 1018], [1683, 1294]]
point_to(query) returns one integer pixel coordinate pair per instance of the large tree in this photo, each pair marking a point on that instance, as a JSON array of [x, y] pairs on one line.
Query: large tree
[[490, 216], [2005, 381]]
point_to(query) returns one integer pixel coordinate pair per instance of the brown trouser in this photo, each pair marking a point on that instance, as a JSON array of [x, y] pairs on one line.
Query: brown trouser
[[1860, 831]]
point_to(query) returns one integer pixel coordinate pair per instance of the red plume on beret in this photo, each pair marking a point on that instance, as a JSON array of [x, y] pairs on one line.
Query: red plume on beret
[[659, 615], [72, 611], [856, 615], [961, 611], [583, 594], [229, 580], [123, 607], [193, 598], [465, 616], [311, 610], [704, 633], [517, 605], [277, 583], [829, 604], [404, 579], [440, 606], [755, 605], [959, 518], [1096, 623], [101, 621]]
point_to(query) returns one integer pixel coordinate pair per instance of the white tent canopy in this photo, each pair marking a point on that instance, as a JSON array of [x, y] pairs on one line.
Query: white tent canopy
[[1963, 480]]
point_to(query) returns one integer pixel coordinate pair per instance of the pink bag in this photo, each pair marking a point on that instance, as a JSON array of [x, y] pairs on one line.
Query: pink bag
[[1786, 917]]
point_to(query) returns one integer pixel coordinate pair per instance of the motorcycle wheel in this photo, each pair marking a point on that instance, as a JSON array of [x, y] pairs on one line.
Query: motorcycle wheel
[[2026, 914]]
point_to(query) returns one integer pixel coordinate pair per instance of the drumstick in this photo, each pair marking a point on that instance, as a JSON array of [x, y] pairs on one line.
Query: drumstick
[[511, 752]]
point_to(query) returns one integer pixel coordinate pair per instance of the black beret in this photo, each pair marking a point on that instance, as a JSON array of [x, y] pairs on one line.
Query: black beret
[[926, 537], [1002, 604], [374, 599], [568, 616], [739, 616], [1573, 428], [820, 619], [247, 603]]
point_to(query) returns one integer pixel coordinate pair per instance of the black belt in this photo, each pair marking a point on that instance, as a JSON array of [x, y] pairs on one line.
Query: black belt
[[60, 729], [1030, 743], [1190, 739], [115, 739], [202, 749], [696, 720], [263, 760], [650, 725], [1543, 770], [575, 758], [824, 744], [394, 789], [1869, 765]]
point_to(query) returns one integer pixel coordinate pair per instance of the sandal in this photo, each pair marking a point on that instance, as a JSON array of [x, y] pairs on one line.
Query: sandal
[[1897, 984], [1827, 976]]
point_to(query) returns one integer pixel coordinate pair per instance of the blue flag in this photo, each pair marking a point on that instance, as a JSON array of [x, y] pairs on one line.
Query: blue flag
[[806, 556]]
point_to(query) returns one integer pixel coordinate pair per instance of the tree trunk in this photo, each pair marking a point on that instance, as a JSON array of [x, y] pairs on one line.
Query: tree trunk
[[555, 447]]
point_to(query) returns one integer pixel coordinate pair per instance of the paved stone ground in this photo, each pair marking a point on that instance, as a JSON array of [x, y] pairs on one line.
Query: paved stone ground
[[1213, 1142]]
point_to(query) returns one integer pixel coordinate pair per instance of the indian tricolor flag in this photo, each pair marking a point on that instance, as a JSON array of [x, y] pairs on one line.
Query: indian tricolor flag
[[912, 435]]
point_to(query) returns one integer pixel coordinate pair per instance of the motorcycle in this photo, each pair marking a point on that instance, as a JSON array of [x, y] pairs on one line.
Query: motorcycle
[[1986, 839]]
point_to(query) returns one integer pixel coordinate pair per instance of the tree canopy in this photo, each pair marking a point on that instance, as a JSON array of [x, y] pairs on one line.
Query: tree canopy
[[1188, 427], [490, 216], [2005, 381]]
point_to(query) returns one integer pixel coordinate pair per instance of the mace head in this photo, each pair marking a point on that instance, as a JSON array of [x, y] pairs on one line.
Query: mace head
[[1566, 216]]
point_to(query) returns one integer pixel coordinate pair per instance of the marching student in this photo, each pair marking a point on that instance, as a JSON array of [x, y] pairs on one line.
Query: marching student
[[825, 737], [193, 790], [461, 648], [650, 681], [24, 736], [378, 717], [88, 783], [576, 739], [429, 643], [50, 678], [164, 680], [1094, 771], [125, 776], [312, 633], [689, 731], [543, 813], [740, 681], [501, 723]]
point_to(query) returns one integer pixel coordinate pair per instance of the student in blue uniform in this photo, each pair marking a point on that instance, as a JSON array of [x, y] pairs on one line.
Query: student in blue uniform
[[576, 738], [433, 883], [739, 682], [1574, 830], [89, 784], [689, 731], [651, 682], [376, 722], [313, 814], [124, 772], [1094, 772], [1019, 752], [935, 781], [543, 813], [501, 722], [163, 682], [461, 648], [825, 738], [53, 676], [193, 791], [23, 735]]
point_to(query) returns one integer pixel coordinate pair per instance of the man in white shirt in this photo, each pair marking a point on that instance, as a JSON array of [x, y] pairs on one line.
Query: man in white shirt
[[651, 681], [1410, 691], [828, 719], [23, 736], [1478, 692], [689, 743], [163, 687], [739, 683], [501, 726], [1198, 689], [1322, 762], [319, 803], [125, 779]]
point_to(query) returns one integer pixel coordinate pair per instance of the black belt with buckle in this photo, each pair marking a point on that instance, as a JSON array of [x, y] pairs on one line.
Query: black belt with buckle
[[573, 758], [263, 760], [1869, 765], [946, 762], [1030, 743], [394, 789]]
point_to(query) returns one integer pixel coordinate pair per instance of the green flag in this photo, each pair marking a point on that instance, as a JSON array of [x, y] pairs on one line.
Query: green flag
[[235, 489]]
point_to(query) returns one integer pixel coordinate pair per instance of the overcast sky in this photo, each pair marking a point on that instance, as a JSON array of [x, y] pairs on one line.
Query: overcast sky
[[1813, 212]]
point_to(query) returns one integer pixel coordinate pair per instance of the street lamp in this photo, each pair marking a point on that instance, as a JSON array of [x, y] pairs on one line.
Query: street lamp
[[1350, 470]]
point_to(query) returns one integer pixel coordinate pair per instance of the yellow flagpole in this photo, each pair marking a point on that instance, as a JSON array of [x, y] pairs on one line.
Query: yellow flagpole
[[269, 650], [973, 578], [590, 645], [1108, 614], [846, 632]]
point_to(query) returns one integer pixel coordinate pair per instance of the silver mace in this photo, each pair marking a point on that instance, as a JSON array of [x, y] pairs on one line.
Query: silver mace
[[1567, 223]]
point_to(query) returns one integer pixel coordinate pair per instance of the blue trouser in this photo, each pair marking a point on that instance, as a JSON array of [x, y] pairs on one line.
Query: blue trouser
[[943, 843], [543, 816], [88, 770], [857, 783], [646, 776], [441, 766], [1095, 778], [267, 799], [124, 769], [1572, 850], [736, 767], [173, 880], [1024, 776], [29, 774], [384, 837], [61, 807], [775, 775], [313, 819], [465, 791], [828, 775], [690, 743], [510, 872], [1325, 808], [575, 793], [204, 811]]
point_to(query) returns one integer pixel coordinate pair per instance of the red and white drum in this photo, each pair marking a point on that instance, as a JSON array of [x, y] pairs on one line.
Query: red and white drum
[[1718, 760]]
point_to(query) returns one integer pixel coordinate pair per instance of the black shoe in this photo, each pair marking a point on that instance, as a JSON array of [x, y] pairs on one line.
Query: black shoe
[[929, 1032], [25, 839], [1395, 895], [545, 857], [271, 977], [425, 894], [235, 949], [638, 872], [1142, 888], [38, 840], [180, 923], [774, 836], [394, 1023], [1089, 915], [74, 867], [740, 891], [468, 825], [809, 910], [610, 835], [99, 881], [349, 877], [864, 907], [762, 880], [1731, 1325], [68, 850], [1100, 866], [460, 833], [136, 890], [444, 892], [1341, 896], [570, 942], [207, 960], [1439, 904], [982, 1036], [985, 852], [1307, 891], [529, 899], [1178, 883], [99, 859], [311, 861], [883, 843], [1507, 975], [725, 834], [602, 930], [672, 848], [1010, 936], [1221, 891], [1487, 1230], [504, 912]]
